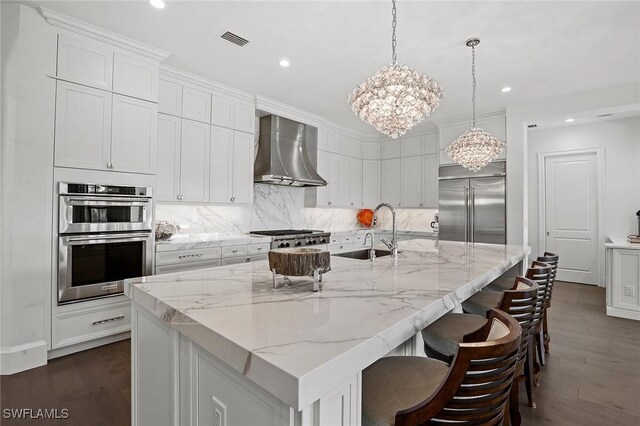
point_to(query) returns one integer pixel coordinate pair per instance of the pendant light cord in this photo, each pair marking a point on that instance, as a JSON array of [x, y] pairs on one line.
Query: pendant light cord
[[473, 77], [394, 56]]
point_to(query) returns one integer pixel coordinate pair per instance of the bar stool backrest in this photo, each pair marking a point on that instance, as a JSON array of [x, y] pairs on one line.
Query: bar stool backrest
[[550, 259], [540, 272], [521, 302], [476, 389]]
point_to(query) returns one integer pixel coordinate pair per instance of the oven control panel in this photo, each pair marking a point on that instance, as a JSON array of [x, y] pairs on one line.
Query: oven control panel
[[96, 189]]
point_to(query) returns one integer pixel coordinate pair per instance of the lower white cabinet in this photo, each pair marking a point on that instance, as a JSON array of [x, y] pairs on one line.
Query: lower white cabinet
[[623, 283]]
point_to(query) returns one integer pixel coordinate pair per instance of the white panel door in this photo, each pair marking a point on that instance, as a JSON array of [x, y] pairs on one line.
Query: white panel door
[[196, 104], [85, 61], [168, 159], [222, 111], [83, 127], [571, 216], [430, 181], [411, 181], [355, 182], [194, 161], [221, 189], [242, 168], [371, 179], [170, 97], [135, 76], [391, 182], [134, 133], [245, 117], [344, 175]]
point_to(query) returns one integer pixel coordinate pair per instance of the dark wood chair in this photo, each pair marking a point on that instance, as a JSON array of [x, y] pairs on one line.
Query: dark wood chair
[[550, 259], [474, 390], [521, 302]]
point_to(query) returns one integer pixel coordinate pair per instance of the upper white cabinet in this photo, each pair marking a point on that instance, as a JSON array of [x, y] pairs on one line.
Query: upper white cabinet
[[195, 149], [245, 117], [170, 97], [135, 76], [133, 135], [371, 151], [430, 143], [410, 181], [167, 186], [222, 110], [83, 127], [196, 104], [231, 166], [430, 181], [243, 149], [85, 61], [391, 178], [410, 147], [371, 179], [355, 182], [391, 149]]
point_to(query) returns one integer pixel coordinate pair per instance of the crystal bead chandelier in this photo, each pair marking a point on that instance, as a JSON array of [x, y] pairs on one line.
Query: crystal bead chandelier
[[475, 148], [397, 97]]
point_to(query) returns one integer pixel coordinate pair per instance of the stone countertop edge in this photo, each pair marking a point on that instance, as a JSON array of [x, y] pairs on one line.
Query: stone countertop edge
[[621, 243]]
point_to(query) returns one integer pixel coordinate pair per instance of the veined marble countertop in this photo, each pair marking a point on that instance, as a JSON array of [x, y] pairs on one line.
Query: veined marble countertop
[[298, 345], [620, 242], [195, 241]]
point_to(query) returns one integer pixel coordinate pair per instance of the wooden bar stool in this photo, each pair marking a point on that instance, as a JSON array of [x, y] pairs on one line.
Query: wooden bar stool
[[550, 259], [521, 302], [474, 390]]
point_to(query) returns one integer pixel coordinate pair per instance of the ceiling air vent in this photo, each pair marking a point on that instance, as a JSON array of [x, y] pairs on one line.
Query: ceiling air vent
[[532, 126], [234, 38]]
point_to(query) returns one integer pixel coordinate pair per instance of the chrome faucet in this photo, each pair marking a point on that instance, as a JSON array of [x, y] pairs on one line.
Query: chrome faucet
[[393, 244], [372, 251]]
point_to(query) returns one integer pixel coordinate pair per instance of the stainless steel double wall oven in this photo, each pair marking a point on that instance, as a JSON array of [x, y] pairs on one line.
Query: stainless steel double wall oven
[[104, 236]]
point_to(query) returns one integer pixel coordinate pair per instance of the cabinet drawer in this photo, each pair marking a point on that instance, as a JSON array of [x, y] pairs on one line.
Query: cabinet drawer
[[334, 240], [346, 239], [234, 251], [74, 327], [339, 248], [183, 256], [190, 266], [262, 248]]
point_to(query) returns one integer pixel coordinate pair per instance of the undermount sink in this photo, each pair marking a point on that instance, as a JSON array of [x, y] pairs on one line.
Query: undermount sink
[[363, 254]]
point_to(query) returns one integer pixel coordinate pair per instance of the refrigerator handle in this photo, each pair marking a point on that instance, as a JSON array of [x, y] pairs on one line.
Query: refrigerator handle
[[466, 214], [472, 213]]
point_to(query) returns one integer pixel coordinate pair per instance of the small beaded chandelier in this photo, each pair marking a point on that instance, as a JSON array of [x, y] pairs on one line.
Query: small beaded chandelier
[[475, 148], [397, 97]]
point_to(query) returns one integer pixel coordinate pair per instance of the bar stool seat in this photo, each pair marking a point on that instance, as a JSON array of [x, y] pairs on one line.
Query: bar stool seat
[[395, 383], [482, 302], [447, 332]]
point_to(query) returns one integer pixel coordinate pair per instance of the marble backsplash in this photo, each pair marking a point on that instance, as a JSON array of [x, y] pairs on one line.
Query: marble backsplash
[[278, 207]]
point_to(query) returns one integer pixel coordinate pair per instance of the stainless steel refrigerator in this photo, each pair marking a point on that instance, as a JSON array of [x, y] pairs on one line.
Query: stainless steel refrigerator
[[472, 205]]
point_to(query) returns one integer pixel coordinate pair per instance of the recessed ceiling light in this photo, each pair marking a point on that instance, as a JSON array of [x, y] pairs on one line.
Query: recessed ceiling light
[[284, 63], [157, 3], [569, 120], [506, 89]]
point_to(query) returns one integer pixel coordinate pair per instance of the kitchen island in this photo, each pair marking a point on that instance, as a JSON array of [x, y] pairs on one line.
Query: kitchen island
[[221, 346]]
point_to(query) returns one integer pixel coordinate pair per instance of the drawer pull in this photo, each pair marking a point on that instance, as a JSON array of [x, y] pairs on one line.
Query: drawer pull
[[259, 248], [234, 251], [190, 256], [118, 318]]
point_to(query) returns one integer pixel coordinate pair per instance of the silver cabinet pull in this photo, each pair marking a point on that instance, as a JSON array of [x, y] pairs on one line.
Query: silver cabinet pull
[[190, 256], [98, 322], [351, 203], [234, 251], [329, 203], [259, 248]]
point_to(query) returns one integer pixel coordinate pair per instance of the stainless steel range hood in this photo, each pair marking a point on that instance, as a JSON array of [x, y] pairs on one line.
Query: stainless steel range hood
[[282, 154]]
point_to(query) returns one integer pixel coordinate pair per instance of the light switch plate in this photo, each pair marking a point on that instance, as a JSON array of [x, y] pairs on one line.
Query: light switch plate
[[628, 291], [219, 412]]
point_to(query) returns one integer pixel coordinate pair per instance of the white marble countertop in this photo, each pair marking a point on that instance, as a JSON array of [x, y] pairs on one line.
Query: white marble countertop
[[620, 242], [298, 345]]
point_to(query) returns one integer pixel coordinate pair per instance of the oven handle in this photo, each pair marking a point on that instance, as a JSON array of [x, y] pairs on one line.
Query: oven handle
[[109, 201], [101, 237]]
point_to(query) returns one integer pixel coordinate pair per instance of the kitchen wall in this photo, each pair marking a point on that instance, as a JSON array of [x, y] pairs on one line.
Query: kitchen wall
[[278, 207], [620, 140]]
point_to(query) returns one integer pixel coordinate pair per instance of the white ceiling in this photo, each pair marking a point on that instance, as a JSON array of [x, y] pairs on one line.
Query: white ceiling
[[541, 49]]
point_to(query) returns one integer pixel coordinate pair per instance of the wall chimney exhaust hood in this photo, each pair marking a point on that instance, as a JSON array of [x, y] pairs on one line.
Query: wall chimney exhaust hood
[[282, 154]]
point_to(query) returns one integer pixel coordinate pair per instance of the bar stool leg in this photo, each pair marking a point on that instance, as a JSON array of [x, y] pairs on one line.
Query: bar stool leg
[[545, 331], [529, 370], [540, 346]]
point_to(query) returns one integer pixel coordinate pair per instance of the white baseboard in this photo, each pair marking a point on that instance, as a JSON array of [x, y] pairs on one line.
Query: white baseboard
[[623, 313], [14, 359], [67, 350]]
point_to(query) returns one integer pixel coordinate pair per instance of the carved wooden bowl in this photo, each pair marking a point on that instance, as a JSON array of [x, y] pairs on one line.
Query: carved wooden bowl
[[299, 262]]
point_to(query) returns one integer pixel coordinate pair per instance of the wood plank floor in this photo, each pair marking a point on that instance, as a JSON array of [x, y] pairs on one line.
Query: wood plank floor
[[592, 375]]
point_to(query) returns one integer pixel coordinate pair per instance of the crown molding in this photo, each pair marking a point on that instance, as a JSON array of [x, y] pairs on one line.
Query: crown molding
[[179, 76], [68, 23]]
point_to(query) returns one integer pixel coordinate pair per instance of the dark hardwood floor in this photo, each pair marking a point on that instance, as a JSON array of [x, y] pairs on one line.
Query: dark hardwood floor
[[592, 376]]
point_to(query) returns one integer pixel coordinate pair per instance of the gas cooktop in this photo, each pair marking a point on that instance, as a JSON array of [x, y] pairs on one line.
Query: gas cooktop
[[282, 238]]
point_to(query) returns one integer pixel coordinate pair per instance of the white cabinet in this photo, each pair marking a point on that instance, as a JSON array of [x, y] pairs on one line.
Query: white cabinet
[[322, 167], [222, 111], [411, 147], [133, 135], [85, 61], [355, 182], [169, 98], [167, 186], [343, 179], [430, 143], [231, 166], [371, 151], [196, 104], [245, 117], [411, 181], [430, 181], [623, 283], [391, 149], [83, 127], [371, 183], [194, 161], [135, 76], [391, 181], [334, 142]]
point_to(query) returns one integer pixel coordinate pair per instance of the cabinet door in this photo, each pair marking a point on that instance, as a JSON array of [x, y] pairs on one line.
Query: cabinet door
[[333, 183], [625, 288], [194, 161], [134, 132], [85, 61], [391, 181], [242, 168], [135, 76], [371, 151], [430, 181], [344, 176], [411, 147], [245, 117], [430, 143], [168, 174], [83, 127], [221, 165], [334, 141], [170, 98], [322, 192], [222, 111], [355, 182], [196, 104], [371, 183], [411, 182]]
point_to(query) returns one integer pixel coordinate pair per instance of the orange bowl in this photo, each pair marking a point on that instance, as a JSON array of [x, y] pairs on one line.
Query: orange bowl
[[365, 217]]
